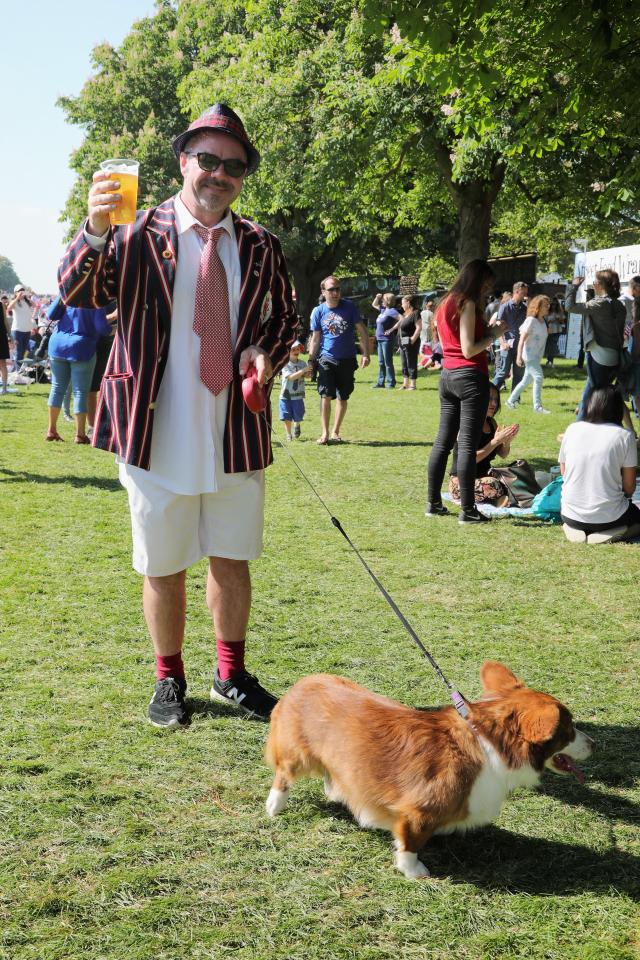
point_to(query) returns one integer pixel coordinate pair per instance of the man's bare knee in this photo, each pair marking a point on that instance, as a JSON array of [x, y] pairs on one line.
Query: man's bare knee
[[223, 566], [171, 582]]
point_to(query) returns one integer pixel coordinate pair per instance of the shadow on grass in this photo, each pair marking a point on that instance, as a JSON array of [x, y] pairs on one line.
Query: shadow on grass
[[499, 860], [202, 707], [21, 476], [390, 443], [564, 373]]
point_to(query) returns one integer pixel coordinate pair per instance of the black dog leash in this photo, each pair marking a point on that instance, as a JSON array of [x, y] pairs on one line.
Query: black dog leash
[[459, 701]]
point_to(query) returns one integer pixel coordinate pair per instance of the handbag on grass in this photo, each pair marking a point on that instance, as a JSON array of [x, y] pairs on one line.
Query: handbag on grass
[[520, 481], [546, 504]]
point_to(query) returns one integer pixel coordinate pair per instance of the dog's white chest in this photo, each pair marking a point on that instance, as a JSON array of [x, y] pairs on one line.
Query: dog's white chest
[[491, 788]]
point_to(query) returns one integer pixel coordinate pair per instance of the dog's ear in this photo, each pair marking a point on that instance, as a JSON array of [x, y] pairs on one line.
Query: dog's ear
[[540, 724], [496, 678]]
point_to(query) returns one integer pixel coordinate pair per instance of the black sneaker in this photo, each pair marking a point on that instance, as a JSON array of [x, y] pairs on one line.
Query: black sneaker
[[167, 706], [436, 510], [244, 692], [472, 516]]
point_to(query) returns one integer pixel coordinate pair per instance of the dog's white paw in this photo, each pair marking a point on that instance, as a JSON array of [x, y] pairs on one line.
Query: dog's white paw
[[408, 864], [276, 801]]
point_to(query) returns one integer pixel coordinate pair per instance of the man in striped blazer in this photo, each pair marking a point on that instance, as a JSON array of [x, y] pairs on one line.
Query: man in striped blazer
[[202, 295]]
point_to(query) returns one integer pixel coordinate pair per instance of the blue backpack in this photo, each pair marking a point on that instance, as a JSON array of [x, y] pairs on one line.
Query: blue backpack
[[546, 504]]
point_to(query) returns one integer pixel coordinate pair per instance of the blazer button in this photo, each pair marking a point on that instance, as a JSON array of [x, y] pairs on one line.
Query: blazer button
[[167, 254], [152, 406]]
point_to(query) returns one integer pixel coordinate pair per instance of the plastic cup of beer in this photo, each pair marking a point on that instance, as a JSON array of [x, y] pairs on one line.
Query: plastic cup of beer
[[126, 172]]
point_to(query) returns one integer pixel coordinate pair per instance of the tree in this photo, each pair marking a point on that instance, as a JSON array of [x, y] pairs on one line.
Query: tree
[[8, 275], [130, 107], [539, 97]]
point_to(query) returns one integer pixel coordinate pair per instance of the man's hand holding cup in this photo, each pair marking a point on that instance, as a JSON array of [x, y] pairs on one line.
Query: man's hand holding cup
[[103, 198]]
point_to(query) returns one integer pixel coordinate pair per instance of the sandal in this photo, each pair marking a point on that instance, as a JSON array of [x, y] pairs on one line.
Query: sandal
[[336, 440], [53, 435], [81, 438], [322, 441]]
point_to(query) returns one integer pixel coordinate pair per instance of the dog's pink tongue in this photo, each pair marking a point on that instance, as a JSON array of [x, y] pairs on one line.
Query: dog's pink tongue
[[563, 761]]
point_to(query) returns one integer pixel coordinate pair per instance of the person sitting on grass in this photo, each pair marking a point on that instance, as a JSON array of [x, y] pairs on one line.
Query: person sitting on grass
[[431, 351], [494, 441], [598, 459], [531, 344], [292, 391]]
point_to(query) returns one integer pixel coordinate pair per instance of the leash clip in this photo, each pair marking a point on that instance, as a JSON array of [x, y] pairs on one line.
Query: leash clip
[[460, 704]]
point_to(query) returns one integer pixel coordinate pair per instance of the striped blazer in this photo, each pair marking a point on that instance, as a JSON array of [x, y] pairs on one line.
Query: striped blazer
[[137, 268]]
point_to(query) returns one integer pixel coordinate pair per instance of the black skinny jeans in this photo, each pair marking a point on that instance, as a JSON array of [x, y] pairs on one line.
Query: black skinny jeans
[[409, 354], [464, 398]]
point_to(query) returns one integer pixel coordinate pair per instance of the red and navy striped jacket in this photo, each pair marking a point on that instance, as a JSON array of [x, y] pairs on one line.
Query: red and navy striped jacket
[[137, 268]]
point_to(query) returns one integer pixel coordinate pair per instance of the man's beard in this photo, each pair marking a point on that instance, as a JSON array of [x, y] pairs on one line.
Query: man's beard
[[211, 201]]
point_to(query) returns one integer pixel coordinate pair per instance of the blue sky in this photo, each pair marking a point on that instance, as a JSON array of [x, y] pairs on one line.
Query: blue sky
[[46, 53]]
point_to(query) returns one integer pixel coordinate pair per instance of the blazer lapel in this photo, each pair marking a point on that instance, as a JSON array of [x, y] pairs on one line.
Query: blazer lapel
[[163, 238], [252, 251]]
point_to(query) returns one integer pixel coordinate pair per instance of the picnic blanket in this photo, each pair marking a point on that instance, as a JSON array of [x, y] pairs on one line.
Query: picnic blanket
[[490, 511]]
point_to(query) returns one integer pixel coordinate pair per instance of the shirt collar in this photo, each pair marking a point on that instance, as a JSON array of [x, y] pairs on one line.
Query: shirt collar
[[185, 220]]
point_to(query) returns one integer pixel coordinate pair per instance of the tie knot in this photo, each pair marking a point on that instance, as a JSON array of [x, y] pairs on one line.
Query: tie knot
[[207, 234]]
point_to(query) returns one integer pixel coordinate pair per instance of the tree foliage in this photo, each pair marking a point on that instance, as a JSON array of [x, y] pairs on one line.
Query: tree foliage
[[130, 107], [8, 275], [542, 94]]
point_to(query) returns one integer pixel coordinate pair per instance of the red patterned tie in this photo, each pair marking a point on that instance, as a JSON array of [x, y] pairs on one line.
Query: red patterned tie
[[211, 318]]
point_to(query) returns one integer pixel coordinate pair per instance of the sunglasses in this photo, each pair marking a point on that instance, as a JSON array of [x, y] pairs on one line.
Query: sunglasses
[[332, 289], [209, 162]]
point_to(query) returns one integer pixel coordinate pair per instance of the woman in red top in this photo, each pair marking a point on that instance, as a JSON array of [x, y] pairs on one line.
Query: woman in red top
[[464, 385]]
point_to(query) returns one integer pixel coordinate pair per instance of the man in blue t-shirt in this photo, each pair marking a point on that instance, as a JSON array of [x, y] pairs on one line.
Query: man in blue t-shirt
[[333, 327], [514, 311]]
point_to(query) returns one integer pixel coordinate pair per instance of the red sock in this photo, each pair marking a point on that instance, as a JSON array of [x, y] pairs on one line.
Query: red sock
[[230, 658], [171, 666]]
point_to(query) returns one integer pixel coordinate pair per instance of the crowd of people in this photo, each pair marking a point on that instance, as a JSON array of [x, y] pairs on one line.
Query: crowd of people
[[42, 338], [467, 330]]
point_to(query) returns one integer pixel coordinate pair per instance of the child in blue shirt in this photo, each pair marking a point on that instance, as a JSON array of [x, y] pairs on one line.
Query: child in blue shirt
[[292, 391]]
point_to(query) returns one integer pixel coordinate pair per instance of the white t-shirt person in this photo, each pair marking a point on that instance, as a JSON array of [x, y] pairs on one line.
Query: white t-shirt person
[[533, 346], [21, 314], [593, 455]]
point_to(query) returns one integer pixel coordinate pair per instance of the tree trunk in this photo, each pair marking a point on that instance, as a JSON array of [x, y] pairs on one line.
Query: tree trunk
[[474, 200], [307, 277], [474, 220]]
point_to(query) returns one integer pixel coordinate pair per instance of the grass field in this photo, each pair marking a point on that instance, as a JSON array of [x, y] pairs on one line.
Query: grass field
[[118, 841]]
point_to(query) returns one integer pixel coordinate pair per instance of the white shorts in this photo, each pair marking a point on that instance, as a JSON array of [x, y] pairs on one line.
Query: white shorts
[[172, 531]]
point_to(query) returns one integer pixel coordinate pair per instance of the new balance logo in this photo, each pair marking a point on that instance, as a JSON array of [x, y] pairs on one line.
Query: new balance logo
[[235, 695]]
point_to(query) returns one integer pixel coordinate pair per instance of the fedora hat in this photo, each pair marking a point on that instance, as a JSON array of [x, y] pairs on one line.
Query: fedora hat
[[221, 119]]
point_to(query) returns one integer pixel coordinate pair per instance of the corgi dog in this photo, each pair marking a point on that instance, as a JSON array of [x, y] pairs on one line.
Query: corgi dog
[[419, 772]]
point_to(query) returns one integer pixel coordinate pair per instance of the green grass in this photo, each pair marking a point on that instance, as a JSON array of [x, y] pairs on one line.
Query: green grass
[[119, 842]]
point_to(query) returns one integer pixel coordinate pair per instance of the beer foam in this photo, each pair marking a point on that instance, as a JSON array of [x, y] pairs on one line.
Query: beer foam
[[120, 166]]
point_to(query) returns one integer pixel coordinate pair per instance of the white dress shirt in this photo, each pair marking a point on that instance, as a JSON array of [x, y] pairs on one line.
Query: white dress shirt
[[189, 421]]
